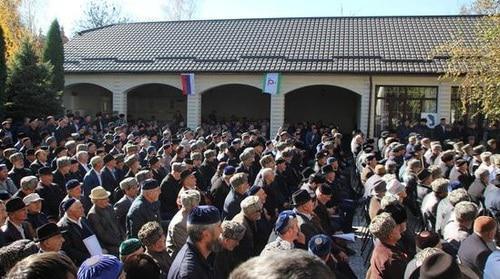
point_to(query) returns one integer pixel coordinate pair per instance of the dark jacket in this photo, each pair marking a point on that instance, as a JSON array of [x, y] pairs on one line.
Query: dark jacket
[[17, 174], [473, 253], [73, 244], [141, 211], [37, 220], [219, 191], [11, 234], [52, 198], [247, 247], [189, 263], [36, 165], [109, 182], [232, 204], [105, 226], [90, 181], [121, 208], [60, 180], [170, 188]]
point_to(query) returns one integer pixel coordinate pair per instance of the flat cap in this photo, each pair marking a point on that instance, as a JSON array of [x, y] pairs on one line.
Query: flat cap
[[204, 215], [233, 230]]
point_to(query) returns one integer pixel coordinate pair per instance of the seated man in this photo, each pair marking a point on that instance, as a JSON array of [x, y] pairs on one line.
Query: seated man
[[388, 260], [49, 238], [16, 227], [288, 232], [103, 221], [76, 229], [475, 249]]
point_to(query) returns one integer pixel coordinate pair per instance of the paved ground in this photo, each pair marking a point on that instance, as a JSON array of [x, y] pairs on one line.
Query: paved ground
[[357, 261]]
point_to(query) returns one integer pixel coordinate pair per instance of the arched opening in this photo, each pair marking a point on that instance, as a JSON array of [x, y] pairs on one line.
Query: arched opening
[[235, 102], [324, 104], [87, 98], [156, 102]]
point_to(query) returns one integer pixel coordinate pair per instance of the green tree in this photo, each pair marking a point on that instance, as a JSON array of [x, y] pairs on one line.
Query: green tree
[[53, 53], [29, 91]]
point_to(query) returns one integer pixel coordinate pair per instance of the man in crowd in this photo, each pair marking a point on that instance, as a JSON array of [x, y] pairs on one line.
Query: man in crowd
[[103, 221], [130, 188], [16, 227], [225, 260], [152, 237], [145, 208], [239, 187], [204, 229], [50, 192], [49, 238]]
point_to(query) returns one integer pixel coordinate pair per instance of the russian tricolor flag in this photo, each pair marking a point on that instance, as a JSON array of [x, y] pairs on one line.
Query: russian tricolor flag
[[187, 81]]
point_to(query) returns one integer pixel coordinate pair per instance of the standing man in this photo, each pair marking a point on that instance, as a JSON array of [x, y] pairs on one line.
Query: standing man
[[49, 238], [204, 229]]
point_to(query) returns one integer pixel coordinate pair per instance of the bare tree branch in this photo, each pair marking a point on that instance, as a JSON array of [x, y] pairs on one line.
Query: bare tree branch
[[180, 9], [99, 13]]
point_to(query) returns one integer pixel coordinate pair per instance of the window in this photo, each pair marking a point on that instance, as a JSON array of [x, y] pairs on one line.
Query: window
[[396, 104]]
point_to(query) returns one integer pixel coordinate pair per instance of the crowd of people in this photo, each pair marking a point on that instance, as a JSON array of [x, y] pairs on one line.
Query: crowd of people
[[100, 197]]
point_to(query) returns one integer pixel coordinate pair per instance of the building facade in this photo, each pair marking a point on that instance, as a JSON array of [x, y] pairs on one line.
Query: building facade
[[368, 73]]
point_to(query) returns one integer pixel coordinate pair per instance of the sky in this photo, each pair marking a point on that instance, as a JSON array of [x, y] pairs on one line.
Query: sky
[[69, 11]]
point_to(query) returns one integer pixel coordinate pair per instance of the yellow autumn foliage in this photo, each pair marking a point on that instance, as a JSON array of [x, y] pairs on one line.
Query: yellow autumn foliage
[[14, 31]]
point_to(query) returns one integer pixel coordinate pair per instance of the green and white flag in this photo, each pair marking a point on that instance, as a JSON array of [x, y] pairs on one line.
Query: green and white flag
[[271, 84]]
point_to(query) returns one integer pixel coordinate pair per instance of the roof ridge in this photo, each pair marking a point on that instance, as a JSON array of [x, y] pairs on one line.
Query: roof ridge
[[279, 18]]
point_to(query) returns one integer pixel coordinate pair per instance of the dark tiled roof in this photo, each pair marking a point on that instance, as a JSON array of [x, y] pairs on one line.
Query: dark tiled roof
[[399, 44]]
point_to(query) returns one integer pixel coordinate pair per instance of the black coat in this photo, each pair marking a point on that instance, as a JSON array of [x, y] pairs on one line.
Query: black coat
[[17, 174], [189, 263], [60, 180], [73, 244], [11, 234], [52, 197], [170, 188], [219, 191]]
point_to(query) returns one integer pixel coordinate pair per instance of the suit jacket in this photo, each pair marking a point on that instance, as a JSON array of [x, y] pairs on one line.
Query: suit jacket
[[90, 181], [473, 253], [82, 171], [121, 208], [109, 182], [11, 234], [105, 226], [73, 244]]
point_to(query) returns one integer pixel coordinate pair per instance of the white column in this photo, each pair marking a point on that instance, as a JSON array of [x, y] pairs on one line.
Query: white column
[[444, 101], [277, 117], [120, 102], [363, 106], [194, 110]]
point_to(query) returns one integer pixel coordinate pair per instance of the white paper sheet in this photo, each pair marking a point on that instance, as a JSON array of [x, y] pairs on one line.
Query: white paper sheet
[[93, 245]]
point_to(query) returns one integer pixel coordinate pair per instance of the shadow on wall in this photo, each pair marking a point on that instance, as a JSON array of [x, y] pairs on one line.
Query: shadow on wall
[[323, 103]]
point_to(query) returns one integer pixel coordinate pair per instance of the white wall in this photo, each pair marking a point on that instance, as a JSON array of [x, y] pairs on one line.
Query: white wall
[[120, 84]]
